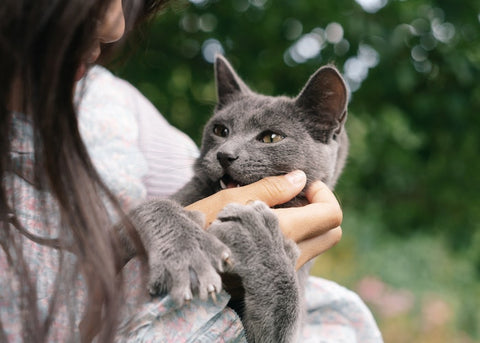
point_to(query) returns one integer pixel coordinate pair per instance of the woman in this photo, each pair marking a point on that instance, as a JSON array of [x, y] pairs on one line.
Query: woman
[[58, 256]]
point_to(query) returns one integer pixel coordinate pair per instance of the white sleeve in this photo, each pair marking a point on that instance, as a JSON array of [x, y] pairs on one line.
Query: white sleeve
[[170, 153], [136, 151]]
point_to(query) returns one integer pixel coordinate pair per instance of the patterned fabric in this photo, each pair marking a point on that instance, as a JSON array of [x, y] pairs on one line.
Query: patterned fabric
[[117, 122], [337, 315], [119, 126], [36, 212], [161, 321]]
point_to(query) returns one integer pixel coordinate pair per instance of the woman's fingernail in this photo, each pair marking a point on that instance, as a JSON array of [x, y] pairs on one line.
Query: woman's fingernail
[[296, 177]]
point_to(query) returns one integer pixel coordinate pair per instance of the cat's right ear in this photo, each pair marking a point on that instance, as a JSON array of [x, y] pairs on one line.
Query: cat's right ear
[[229, 84]]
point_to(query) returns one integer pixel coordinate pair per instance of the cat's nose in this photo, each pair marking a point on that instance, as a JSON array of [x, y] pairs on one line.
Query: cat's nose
[[226, 159]]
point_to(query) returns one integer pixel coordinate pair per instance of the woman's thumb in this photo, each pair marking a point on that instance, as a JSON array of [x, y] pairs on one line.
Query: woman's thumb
[[274, 190]]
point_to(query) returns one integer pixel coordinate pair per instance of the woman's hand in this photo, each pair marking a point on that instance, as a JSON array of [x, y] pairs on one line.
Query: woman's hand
[[314, 227]]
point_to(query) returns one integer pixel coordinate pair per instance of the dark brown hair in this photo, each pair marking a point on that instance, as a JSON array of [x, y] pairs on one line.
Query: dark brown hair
[[41, 45]]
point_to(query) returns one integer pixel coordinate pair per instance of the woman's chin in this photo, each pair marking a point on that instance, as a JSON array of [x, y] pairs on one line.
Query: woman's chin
[[82, 69]]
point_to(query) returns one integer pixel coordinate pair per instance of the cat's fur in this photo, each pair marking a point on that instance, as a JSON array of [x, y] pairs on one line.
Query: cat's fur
[[314, 140]]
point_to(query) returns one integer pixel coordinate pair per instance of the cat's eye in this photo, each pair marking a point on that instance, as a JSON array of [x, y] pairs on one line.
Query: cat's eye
[[270, 137], [220, 130]]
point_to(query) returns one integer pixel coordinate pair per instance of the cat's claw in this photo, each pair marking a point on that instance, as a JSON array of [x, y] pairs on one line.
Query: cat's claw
[[187, 297], [225, 256], [212, 292], [227, 259]]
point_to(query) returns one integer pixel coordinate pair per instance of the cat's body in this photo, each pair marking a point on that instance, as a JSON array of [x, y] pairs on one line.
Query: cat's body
[[250, 136]]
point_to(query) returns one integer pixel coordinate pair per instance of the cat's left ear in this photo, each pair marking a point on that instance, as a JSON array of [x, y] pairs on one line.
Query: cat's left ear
[[229, 84], [325, 96]]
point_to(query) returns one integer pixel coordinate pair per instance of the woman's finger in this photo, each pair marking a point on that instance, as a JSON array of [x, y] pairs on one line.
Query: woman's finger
[[322, 214], [315, 246], [272, 190]]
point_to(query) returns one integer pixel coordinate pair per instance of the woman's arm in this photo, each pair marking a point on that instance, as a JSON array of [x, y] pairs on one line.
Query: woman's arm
[[314, 227]]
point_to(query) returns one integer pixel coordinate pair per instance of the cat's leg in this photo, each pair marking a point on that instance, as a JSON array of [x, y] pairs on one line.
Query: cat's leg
[[272, 295], [196, 189], [184, 259]]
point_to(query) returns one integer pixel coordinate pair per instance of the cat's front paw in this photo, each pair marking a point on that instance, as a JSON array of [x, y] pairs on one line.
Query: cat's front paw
[[253, 234], [184, 259], [265, 262]]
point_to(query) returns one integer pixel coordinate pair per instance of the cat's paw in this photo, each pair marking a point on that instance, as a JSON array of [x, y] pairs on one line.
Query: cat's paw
[[265, 263], [184, 259], [257, 243]]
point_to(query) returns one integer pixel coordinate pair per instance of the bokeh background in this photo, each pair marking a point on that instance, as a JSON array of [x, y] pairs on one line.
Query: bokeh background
[[411, 245]]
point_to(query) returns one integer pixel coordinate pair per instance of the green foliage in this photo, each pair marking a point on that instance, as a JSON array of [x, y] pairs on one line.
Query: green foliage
[[414, 109], [417, 288], [413, 67]]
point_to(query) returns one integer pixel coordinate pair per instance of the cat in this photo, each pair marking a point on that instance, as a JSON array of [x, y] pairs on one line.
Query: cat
[[250, 136]]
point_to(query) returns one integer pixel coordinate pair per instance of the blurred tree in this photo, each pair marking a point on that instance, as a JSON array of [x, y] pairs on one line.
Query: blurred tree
[[413, 69]]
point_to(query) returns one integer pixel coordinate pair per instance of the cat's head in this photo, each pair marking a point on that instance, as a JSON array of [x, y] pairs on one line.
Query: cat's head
[[251, 136]]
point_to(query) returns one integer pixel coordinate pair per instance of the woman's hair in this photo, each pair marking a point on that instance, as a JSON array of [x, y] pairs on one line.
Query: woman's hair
[[42, 43]]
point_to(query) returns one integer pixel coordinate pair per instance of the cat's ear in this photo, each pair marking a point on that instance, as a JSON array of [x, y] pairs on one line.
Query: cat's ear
[[325, 96], [229, 84]]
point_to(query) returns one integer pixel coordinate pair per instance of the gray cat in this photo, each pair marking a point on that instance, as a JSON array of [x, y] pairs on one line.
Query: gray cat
[[249, 137]]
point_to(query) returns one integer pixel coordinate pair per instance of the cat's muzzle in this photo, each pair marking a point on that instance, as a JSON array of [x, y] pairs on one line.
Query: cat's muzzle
[[228, 182]]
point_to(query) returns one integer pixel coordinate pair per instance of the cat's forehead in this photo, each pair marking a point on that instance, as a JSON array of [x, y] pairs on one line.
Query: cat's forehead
[[258, 111]]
